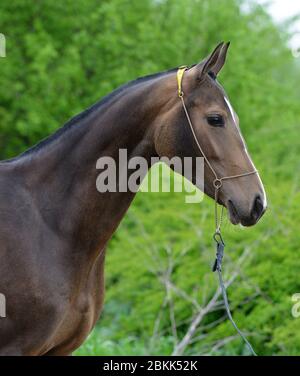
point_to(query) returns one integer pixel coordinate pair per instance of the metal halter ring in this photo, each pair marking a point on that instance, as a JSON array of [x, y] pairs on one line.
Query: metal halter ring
[[218, 236], [217, 183]]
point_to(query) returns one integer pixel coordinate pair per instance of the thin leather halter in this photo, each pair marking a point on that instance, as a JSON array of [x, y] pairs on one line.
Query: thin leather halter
[[218, 181]]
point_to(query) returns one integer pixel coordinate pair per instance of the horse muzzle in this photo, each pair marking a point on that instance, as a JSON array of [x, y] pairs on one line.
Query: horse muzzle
[[247, 217]]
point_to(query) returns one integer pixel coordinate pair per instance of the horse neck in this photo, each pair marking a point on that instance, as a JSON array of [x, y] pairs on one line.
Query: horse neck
[[63, 174]]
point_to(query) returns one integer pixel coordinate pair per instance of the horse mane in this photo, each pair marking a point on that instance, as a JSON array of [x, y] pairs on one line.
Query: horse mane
[[77, 119]]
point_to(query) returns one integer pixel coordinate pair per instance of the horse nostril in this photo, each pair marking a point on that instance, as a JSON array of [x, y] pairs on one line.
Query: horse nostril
[[258, 208]]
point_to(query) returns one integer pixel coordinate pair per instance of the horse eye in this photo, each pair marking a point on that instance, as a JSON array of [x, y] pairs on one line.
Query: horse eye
[[216, 120]]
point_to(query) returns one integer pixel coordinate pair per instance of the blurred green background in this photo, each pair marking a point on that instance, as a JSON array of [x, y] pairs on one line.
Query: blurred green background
[[63, 56]]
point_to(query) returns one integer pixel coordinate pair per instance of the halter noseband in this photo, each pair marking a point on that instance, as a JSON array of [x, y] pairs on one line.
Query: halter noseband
[[217, 183]]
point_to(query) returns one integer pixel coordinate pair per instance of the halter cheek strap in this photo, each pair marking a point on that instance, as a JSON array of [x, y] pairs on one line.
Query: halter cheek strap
[[217, 183]]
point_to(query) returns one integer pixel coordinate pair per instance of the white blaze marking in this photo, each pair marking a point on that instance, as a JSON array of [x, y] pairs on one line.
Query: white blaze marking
[[262, 186], [264, 192], [230, 109]]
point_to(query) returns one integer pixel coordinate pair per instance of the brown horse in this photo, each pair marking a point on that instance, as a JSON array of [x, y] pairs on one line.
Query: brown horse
[[55, 225]]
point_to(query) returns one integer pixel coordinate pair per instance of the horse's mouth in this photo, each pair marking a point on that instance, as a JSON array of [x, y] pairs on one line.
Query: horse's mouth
[[233, 214]]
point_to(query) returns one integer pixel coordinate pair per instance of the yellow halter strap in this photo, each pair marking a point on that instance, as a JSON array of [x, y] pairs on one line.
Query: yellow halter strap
[[180, 73]]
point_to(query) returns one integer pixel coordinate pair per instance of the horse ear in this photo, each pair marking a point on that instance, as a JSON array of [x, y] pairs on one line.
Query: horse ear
[[214, 62], [221, 59]]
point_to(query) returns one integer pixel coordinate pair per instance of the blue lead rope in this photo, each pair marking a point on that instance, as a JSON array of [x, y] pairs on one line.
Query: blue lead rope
[[218, 267]]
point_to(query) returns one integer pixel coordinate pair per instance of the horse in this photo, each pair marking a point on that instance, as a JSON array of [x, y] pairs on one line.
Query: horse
[[55, 224]]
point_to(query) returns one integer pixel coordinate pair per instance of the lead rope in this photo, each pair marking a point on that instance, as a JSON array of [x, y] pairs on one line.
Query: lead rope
[[217, 183], [218, 267]]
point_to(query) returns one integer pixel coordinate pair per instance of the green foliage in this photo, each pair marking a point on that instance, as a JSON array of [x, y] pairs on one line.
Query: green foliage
[[62, 57]]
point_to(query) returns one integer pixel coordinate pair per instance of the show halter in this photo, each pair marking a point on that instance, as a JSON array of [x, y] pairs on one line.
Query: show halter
[[217, 183]]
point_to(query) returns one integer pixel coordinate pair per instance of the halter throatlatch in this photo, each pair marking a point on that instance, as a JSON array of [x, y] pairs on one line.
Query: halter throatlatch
[[217, 183]]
